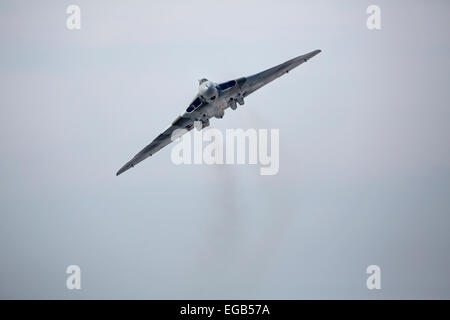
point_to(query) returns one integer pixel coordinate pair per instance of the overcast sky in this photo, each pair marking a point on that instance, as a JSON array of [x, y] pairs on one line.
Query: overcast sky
[[364, 151]]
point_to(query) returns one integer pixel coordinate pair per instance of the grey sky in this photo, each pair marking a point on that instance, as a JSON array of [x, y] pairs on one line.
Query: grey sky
[[364, 151]]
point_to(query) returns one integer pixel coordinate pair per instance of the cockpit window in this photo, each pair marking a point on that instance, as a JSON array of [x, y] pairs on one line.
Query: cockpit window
[[194, 105], [227, 85], [197, 102]]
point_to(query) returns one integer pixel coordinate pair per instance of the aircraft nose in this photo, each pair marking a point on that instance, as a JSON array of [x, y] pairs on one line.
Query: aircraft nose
[[205, 88]]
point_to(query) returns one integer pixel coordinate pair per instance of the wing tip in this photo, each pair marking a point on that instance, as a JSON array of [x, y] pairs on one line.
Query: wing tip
[[124, 168], [315, 52], [308, 55]]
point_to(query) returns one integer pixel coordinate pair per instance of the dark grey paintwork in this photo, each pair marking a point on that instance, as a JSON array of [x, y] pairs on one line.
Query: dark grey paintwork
[[215, 98]]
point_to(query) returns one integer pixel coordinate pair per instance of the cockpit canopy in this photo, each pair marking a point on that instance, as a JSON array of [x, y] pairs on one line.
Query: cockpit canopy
[[198, 102], [194, 105], [227, 85]]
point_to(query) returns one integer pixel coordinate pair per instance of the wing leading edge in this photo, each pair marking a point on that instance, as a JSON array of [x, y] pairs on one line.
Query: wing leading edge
[[160, 142], [256, 81]]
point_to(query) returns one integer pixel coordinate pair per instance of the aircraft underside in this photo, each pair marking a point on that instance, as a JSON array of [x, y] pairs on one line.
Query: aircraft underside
[[212, 100]]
